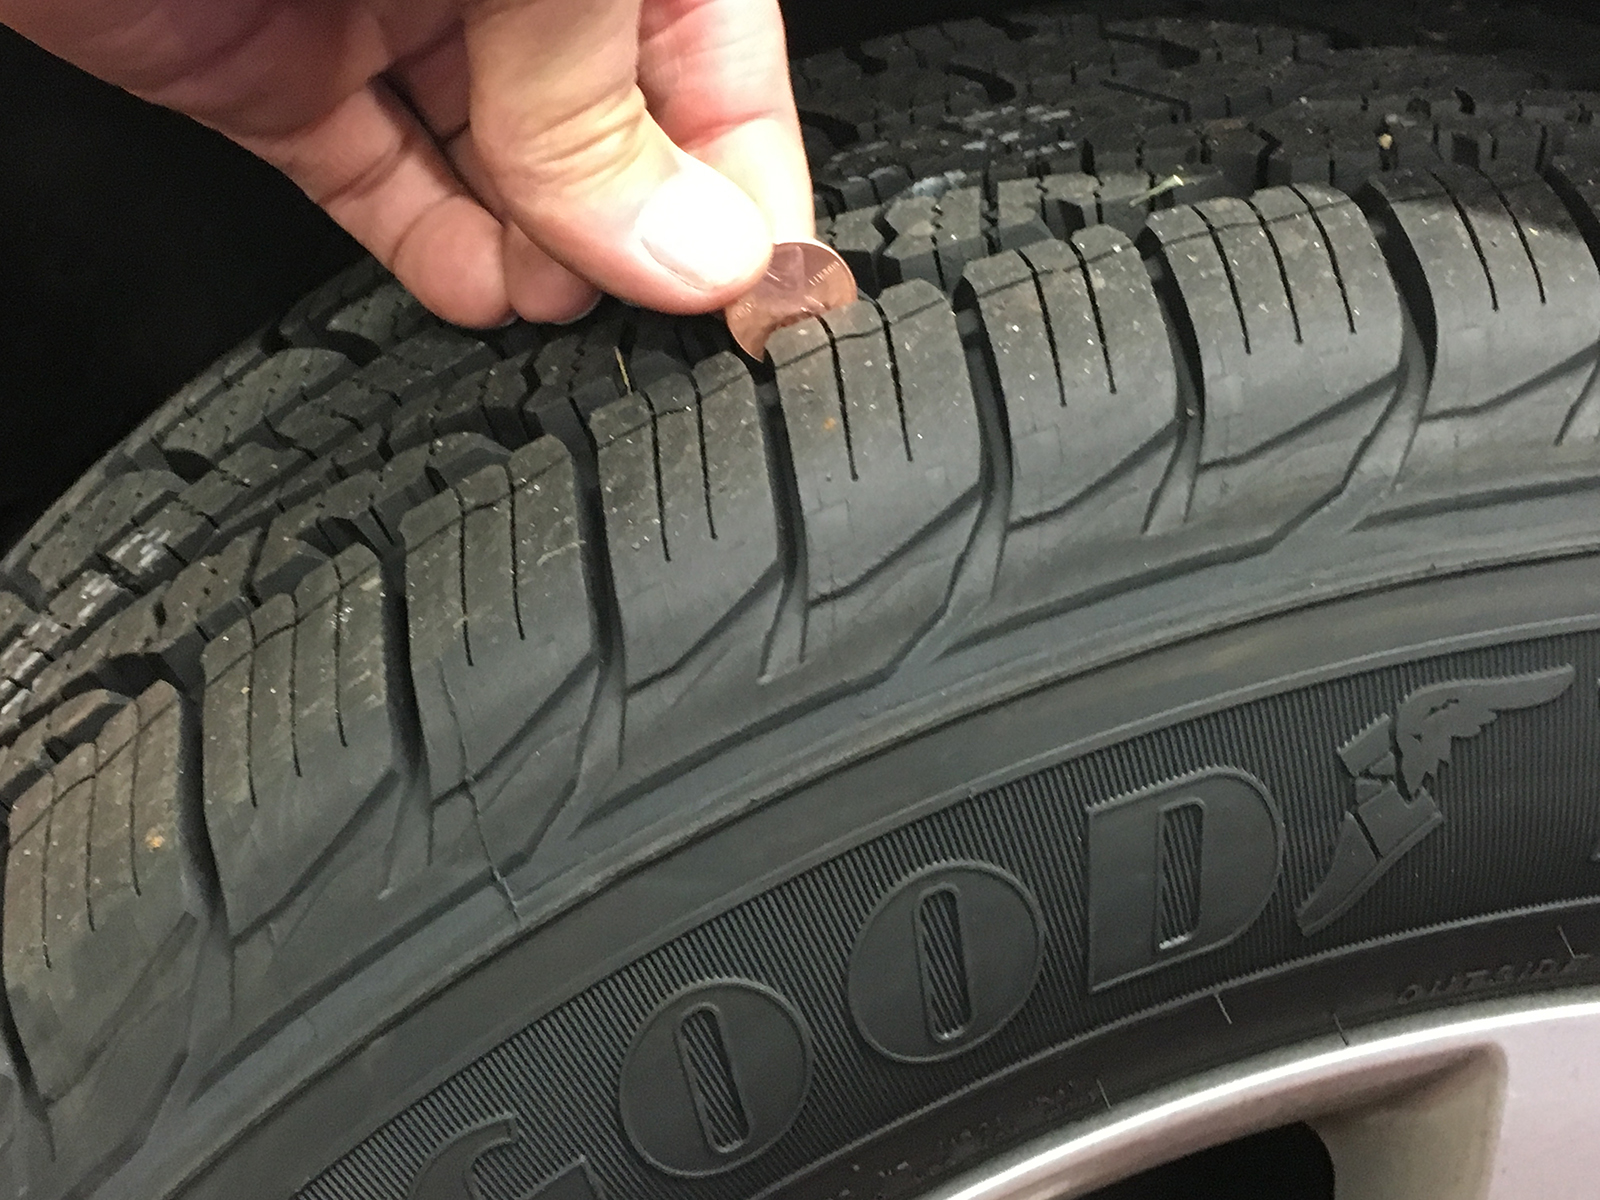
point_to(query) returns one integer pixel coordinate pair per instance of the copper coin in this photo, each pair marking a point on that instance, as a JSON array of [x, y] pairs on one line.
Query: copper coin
[[804, 279]]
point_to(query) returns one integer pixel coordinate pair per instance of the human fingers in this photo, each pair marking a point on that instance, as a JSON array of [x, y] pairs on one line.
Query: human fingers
[[250, 68], [585, 171], [716, 76], [540, 288], [377, 172], [434, 83]]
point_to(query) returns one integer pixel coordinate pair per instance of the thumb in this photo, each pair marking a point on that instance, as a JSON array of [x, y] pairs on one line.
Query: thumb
[[559, 121]]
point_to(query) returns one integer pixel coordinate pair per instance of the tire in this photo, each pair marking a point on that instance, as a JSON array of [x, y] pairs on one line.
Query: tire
[[1156, 625]]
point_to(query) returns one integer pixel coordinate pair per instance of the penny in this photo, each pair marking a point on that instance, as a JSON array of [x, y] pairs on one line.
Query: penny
[[804, 279]]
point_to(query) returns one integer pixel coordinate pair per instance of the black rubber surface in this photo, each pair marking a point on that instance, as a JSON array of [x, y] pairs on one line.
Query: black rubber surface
[[1156, 623]]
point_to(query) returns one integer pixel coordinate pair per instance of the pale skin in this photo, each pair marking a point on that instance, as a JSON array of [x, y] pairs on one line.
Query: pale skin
[[503, 157]]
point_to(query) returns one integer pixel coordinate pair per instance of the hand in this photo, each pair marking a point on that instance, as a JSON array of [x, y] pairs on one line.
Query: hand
[[499, 156]]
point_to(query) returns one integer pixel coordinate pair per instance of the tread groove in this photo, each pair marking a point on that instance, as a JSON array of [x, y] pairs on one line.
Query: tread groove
[[292, 634], [1472, 235], [611, 646], [88, 845], [791, 609], [1094, 308], [1333, 256], [461, 578], [1283, 271], [655, 462], [1170, 502], [705, 455], [1233, 279], [133, 837], [1522, 234], [1588, 399], [894, 376], [844, 402], [44, 876]]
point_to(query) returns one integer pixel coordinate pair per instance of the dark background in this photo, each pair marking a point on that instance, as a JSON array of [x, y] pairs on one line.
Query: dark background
[[136, 247]]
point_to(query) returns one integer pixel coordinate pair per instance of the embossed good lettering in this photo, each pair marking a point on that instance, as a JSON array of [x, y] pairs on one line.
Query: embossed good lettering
[[715, 1076], [945, 962], [1178, 870]]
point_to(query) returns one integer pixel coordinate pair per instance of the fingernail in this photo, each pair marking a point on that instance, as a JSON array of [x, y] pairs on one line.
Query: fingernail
[[703, 229], [593, 304]]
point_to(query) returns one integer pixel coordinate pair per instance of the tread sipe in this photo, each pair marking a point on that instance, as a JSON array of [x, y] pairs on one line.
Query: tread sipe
[[387, 651]]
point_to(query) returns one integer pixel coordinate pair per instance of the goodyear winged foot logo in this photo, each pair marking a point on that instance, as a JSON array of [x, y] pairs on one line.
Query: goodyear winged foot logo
[[1392, 762]]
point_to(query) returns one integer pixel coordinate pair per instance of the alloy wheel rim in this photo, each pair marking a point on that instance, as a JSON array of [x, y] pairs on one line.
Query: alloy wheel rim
[[1492, 1101]]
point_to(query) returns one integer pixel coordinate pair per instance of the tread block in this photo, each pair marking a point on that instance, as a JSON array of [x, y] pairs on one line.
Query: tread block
[[1491, 249], [299, 730], [87, 601], [418, 366], [318, 427], [935, 237], [883, 431], [1321, 142], [253, 469], [1293, 312], [381, 316], [1149, 143], [31, 650], [367, 506], [31, 657], [502, 631], [100, 521], [143, 445], [1080, 350], [1081, 359], [171, 624], [689, 510], [162, 544], [487, 402], [14, 614], [240, 414], [1125, 201], [859, 238], [104, 907], [1019, 214], [39, 747], [1511, 306], [306, 323], [422, 362]]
